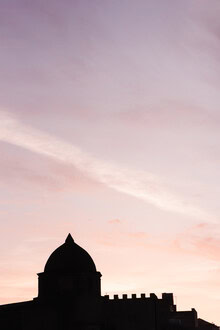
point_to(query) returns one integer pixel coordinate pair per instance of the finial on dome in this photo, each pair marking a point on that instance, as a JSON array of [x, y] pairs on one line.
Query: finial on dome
[[69, 239]]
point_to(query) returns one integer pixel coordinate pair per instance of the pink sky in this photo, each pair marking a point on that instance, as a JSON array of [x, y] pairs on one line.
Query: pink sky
[[110, 130]]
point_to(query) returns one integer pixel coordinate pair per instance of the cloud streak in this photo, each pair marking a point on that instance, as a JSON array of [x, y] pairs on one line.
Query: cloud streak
[[139, 184]]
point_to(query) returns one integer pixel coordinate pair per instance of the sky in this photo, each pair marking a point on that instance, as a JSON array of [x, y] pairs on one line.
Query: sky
[[110, 130]]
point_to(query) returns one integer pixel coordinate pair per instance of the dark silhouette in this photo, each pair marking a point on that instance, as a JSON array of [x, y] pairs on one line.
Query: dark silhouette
[[69, 297]]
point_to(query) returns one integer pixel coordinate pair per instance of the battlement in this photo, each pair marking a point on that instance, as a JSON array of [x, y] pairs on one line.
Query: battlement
[[166, 297], [133, 296]]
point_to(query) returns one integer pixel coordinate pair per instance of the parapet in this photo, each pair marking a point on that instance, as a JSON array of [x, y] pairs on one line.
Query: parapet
[[133, 296]]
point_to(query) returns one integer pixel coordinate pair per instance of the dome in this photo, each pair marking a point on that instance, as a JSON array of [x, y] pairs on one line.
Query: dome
[[70, 257]]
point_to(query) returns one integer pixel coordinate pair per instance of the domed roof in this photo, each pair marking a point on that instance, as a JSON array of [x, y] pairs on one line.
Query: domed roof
[[70, 257]]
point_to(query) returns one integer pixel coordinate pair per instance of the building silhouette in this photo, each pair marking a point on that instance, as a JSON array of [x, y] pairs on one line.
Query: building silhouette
[[69, 298]]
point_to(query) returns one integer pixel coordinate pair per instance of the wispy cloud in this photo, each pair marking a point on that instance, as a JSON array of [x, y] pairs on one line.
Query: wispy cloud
[[200, 240], [139, 184], [40, 172], [114, 221]]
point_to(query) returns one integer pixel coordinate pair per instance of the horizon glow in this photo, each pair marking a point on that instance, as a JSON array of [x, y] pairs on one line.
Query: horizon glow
[[110, 130]]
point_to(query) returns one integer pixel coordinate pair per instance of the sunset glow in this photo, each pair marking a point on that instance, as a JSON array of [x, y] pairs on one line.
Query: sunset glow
[[110, 130]]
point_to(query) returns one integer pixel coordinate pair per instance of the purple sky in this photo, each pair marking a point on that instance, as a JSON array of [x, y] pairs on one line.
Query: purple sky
[[110, 130]]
